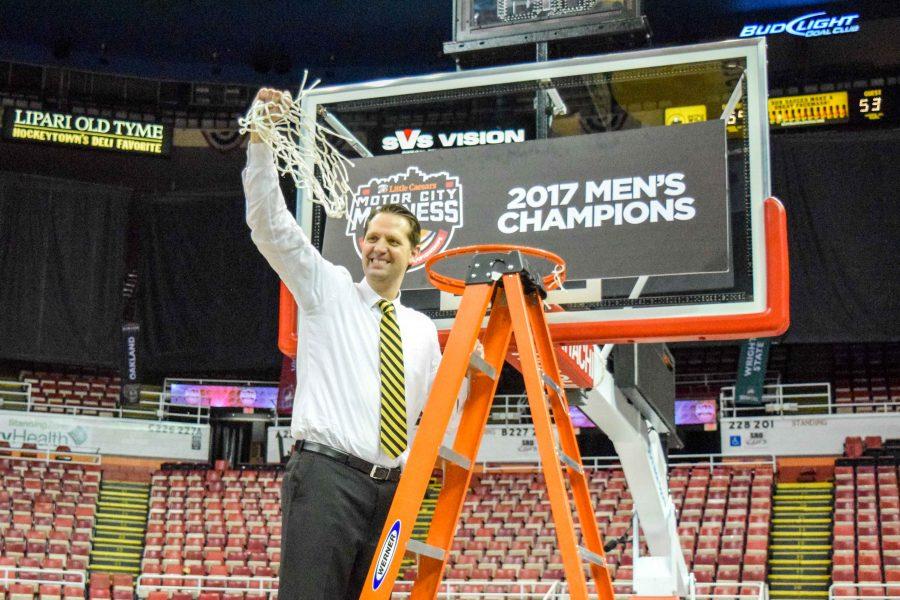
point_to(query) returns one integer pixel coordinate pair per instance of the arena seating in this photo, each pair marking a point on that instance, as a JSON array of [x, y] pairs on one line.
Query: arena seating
[[221, 524], [53, 392], [104, 586], [866, 524], [218, 522], [47, 510], [865, 377], [724, 518], [506, 529], [212, 522]]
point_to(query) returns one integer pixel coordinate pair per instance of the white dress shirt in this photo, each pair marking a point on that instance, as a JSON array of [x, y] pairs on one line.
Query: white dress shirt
[[338, 396]]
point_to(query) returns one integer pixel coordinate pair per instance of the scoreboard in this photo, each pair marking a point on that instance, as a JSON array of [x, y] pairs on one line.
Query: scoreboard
[[858, 106]]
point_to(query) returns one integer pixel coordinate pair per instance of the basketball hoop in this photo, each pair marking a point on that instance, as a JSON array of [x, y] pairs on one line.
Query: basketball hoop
[[456, 286], [317, 167]]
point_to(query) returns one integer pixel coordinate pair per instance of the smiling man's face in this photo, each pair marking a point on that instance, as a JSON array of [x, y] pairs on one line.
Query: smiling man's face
[[386, 251]]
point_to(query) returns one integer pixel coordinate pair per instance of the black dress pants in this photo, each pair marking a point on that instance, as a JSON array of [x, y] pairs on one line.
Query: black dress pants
[[332, 517]]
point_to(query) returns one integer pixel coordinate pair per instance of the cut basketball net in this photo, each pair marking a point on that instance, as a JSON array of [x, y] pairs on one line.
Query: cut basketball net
[[299, 151]]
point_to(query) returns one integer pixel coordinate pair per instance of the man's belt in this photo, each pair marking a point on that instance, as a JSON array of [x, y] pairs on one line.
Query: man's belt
[[374, 471]]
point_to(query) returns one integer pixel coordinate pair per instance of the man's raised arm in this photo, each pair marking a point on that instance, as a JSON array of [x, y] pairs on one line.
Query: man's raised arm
[[274, 229]]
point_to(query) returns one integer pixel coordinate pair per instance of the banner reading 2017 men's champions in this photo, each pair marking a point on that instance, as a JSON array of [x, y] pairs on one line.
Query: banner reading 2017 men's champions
[[649, 201]]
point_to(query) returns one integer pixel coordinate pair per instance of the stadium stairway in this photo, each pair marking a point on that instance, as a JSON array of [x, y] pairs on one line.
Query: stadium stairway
[[423, 520], [800, 546], [119, 528]]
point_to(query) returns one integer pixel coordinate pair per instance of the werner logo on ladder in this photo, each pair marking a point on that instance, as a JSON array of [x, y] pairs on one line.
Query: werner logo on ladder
[[498, 278]]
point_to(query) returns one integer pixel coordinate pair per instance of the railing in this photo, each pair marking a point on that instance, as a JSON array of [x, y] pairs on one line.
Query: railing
[[510, 410], [18, 392], [16, 395], [506, 409], [674, 460], [170, 411], [206, 583], [558, 590], [717, 379], [38, 576], [782, 399], [167, 382], [214, 102], [176, 411], [451, 589], [864, 591], [688, 460], [157, 405], [721, 590], [50, 456]]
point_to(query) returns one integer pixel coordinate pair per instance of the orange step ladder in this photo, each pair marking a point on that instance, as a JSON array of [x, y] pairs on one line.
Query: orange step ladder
[[498, 278]]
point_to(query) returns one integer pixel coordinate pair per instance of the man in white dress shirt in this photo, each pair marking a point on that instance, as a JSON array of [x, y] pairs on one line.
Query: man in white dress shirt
[[350, 395]]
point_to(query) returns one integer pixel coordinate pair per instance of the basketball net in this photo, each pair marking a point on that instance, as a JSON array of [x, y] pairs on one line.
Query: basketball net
[[302, 149]]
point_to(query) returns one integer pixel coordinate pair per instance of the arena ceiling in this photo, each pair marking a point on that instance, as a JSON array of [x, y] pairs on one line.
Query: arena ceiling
[[229, 40]]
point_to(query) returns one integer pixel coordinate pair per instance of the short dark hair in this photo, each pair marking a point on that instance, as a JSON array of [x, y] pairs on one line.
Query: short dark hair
[[415, 228]]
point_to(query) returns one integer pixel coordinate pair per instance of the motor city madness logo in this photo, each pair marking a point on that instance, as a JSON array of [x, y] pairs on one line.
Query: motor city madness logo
[[436, 199]]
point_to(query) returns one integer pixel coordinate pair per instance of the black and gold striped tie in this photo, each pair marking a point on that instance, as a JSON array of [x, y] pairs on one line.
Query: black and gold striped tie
[[393, 400]]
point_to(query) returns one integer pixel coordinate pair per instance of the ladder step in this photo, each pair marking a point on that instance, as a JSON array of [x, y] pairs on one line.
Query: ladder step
[[801, 534], [798, 577], [797, 594], [570, 462], [120, 568], [121, 529], [821, 510], [476, 361], [125, 494], [120, 517], [107, 541], [799, 562], [451, 455], [592, 557], [131, 507], [423, 549], [551, 384], [825, 498], [821, 485], [119, 556], [803, 520]]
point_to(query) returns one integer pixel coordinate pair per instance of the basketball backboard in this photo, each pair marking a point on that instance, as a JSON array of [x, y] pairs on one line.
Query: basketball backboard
[[648, 173]]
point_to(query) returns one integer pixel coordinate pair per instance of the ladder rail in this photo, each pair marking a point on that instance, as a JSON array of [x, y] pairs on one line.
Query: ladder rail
[[569, 444], [516, 317], [423, 454], [468, 439], [560, 507]]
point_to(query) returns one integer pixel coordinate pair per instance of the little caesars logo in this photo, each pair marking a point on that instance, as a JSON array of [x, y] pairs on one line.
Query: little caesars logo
[[435, 198]]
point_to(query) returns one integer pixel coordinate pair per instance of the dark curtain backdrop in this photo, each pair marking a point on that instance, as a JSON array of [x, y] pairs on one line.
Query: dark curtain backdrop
[[208, 300], [62, 248], [840, 192]]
